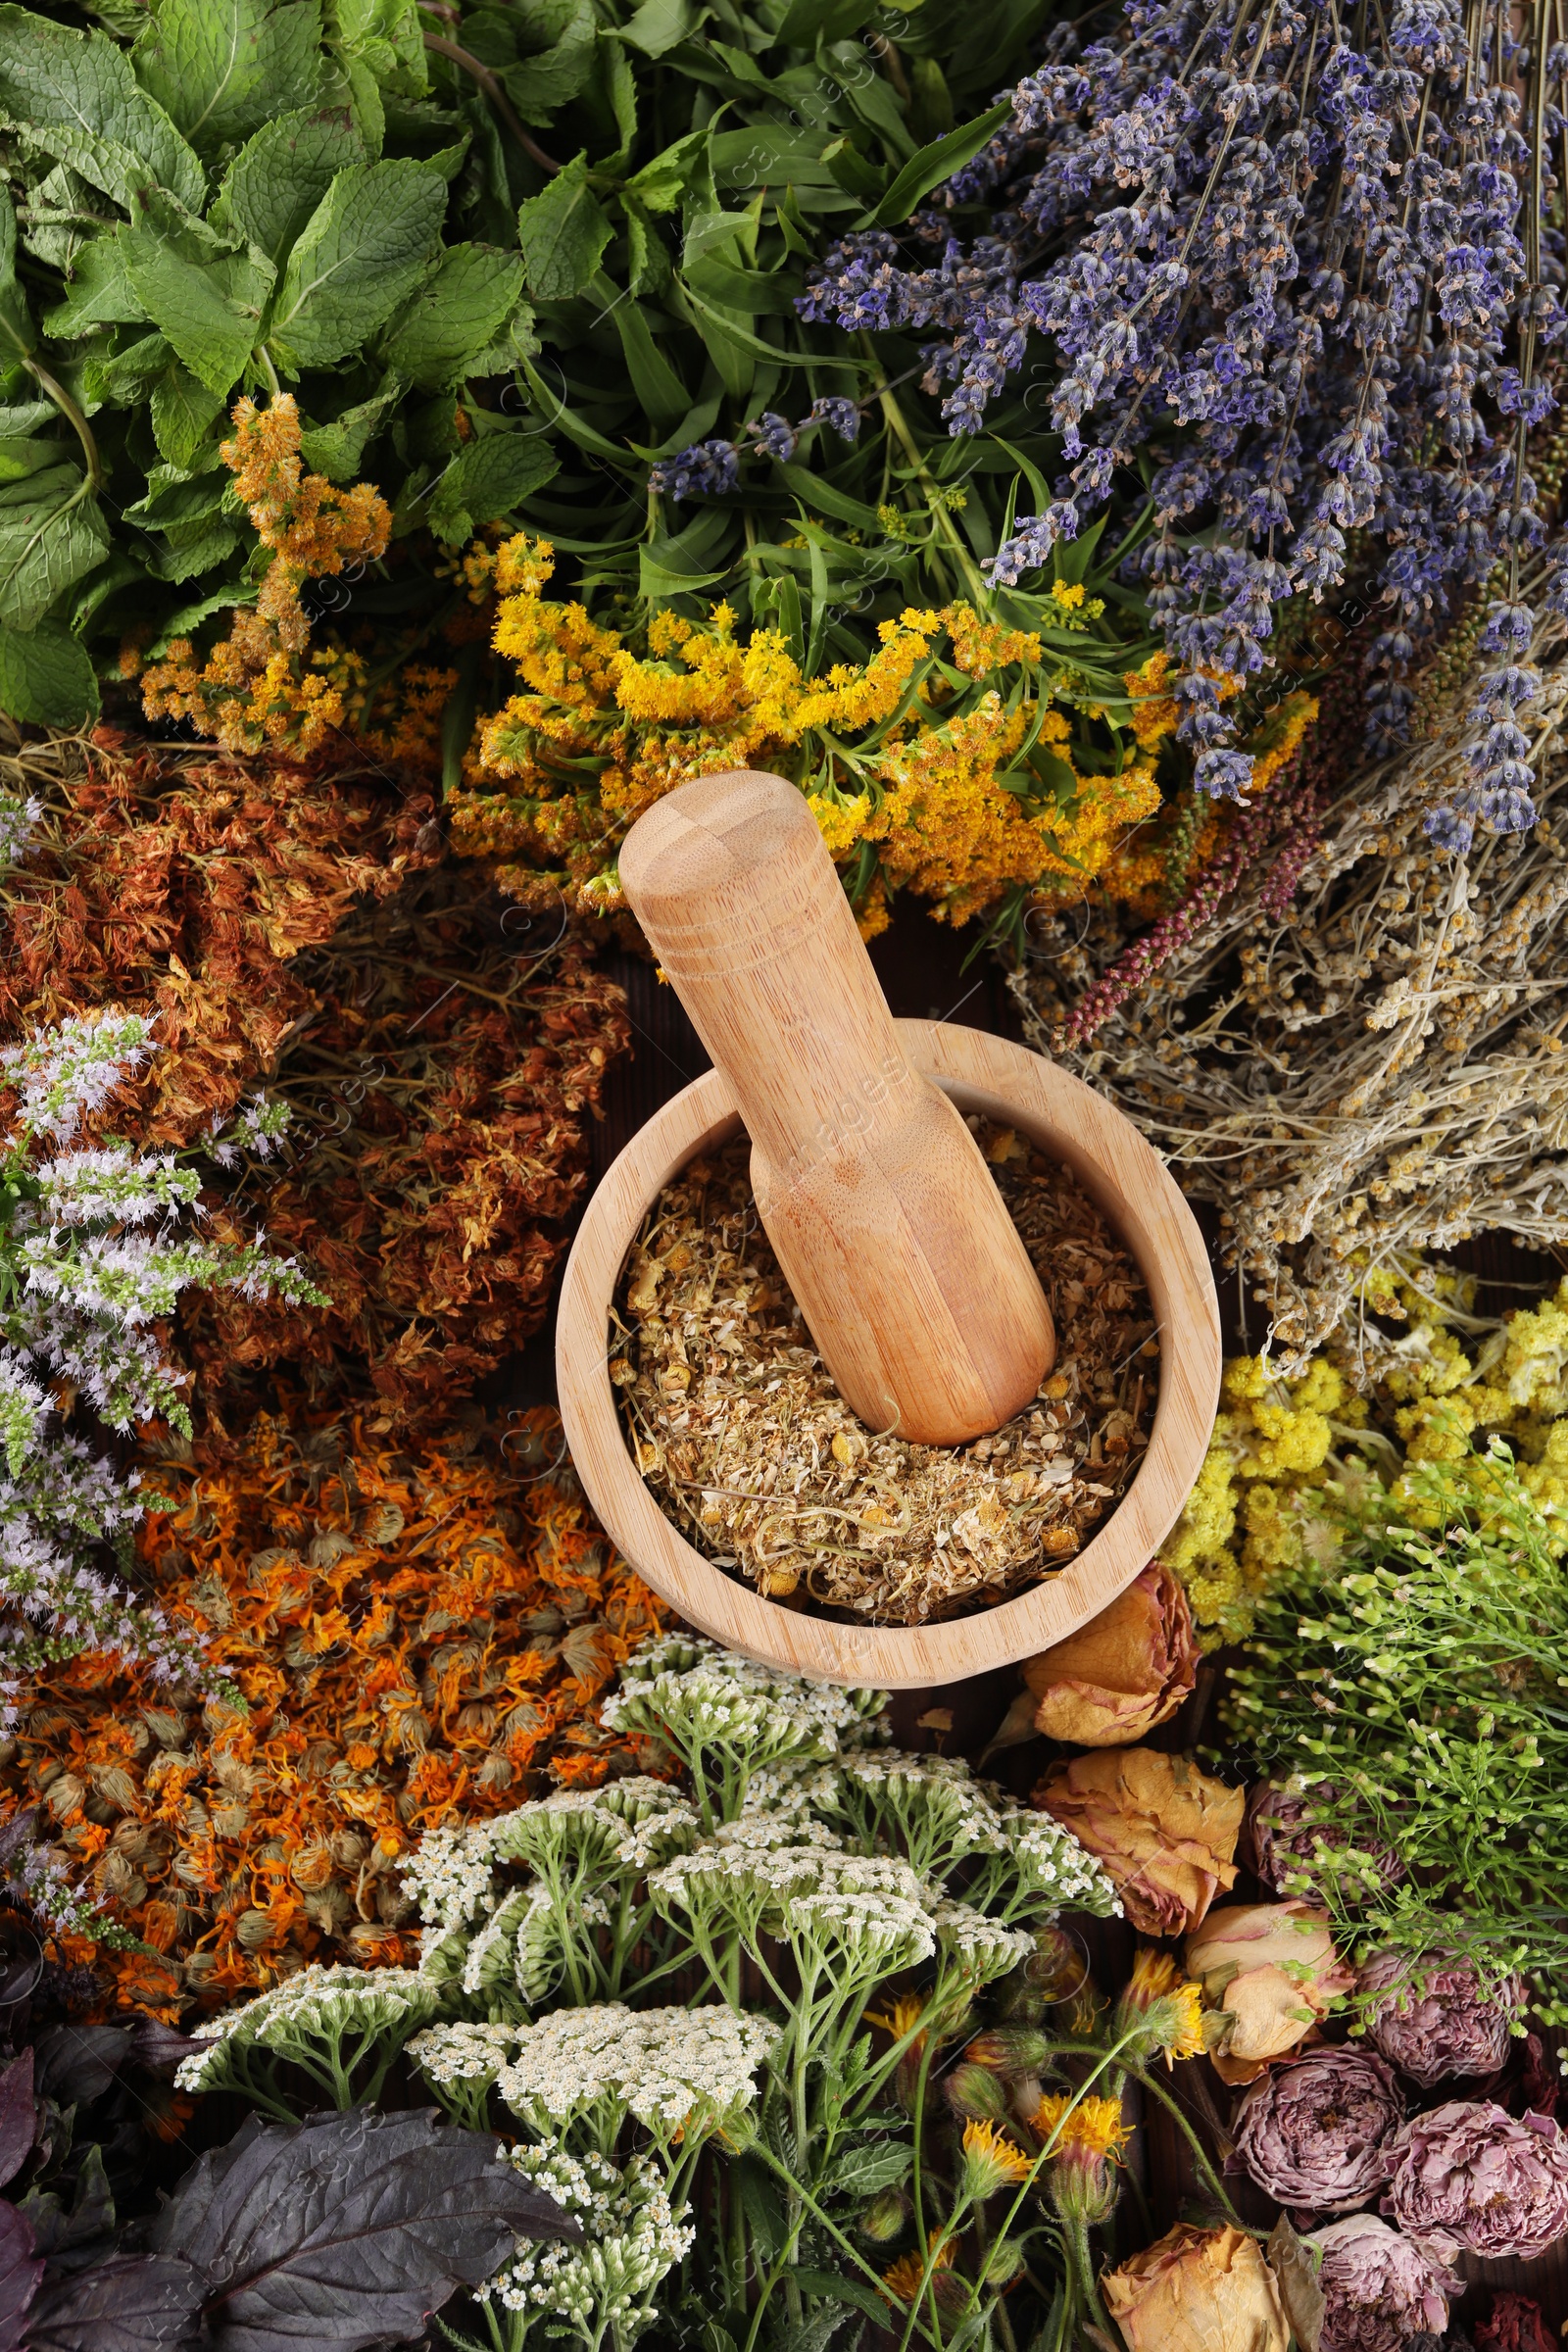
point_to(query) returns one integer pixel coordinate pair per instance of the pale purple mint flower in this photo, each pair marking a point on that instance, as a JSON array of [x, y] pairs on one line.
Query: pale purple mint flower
[[18, 822], [1379, 2288], [1470, 2178], [259, 1129], [65, 1072], [84, 1188]]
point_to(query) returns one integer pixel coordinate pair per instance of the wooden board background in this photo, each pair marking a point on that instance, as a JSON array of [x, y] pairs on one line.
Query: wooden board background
[[921, 967]]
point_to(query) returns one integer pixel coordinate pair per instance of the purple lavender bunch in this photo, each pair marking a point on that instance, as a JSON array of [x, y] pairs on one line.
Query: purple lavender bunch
[[711, 468], [1330, 266]]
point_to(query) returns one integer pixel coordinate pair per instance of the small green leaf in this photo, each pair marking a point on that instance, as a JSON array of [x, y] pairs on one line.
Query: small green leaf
[[74, 95], [336, 449], [194, 548], [279, 176], [46, 677], [562, 232], [540, 86], [388, 35], [810, 21], [51, 534], [830, 2288], [657, 580], [206, 302], [191, 616], [98, 291], [183, 413], [487, 481], [20, 458], [222, 68], [365, 250], [934, 164], [661, 184], [659, 24], [453, 316]]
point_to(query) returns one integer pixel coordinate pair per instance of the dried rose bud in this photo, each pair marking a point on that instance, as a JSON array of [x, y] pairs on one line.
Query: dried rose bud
[[1271, 1969], [1198, 2291], [1468, 2176], [1282, 1841], [1164, 1831], [1436, 2021], [1380, 2291], [1314, 2131], [1123, 1672]]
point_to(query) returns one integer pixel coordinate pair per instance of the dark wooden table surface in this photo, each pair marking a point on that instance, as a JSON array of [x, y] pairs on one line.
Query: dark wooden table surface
[[922, 970]]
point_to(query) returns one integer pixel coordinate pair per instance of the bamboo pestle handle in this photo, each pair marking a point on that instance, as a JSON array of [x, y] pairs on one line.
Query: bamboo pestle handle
[[890, 1233]]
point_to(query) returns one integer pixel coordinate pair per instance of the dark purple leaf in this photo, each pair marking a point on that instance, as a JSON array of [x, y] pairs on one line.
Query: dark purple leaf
[[71, 2239], [19, 2116], [160, 2047], [19, 2274], [134, 2303], [77, 2063], [348, 2230]]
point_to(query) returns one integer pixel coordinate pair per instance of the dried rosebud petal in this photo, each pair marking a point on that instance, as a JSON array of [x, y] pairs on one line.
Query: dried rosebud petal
[[1313, 2133], [1123, 1672], [1436, 2021], [1468, 2176], [1198, 2291], [1283, 1840], [1380, 2290], [1271, 1969], [1164, 1831]]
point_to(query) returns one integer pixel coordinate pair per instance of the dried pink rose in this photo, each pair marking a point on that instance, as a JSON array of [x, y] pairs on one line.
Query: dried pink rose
[[1313, 2133], [1272, 1970], [1281, 1840], [1437, 2022], [1126, 1670], [1379, 2290], [1468, 2176]]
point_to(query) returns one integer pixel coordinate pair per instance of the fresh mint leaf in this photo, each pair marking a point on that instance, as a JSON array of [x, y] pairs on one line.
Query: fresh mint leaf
[[17, 335], [190, 549], [659, 186], [20, 458], [346, 2231], [175, 496], [660, 24], [278, 177], [51, 533], [74, 95], [207, 301], [98, 292], [562, 231], [46, 679], [387, 36], [222, 68], [183, 413], [365, 250], [486, 482], [124, 378], [552, 78], [191, 616], [336, 449], [453, 316]]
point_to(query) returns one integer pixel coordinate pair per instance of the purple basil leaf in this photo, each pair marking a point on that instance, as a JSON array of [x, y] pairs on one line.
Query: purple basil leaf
[[134, 2303], [19, 2116], [347, 2231], [19, 2274], [72, 2239], [77, 2063], [160, 2047]]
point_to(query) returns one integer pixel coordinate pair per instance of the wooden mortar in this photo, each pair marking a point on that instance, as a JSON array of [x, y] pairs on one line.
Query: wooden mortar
[[994, 1079], [891, 1234]]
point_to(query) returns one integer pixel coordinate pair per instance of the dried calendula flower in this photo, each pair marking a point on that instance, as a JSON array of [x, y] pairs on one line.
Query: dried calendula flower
[[739, 1428], [422, 1632]]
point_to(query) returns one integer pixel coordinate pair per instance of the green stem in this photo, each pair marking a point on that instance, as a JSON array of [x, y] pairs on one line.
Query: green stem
[[760, 2148], [935, 502], [493, 90], [1200, 2157], [269, 370], [74, 418]]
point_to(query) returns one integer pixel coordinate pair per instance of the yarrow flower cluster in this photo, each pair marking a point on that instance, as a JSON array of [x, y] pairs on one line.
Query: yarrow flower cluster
[[1332, 267], [712, 468], [630, 2241], [328, 2021], [679, 2072], [93, 1260]]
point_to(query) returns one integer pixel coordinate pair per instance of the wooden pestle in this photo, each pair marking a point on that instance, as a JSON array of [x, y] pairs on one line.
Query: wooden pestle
[[891, 1232]]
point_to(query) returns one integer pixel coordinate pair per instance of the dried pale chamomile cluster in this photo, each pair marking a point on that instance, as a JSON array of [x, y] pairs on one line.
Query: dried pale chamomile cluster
[[420, 1634], [741, 1432]]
